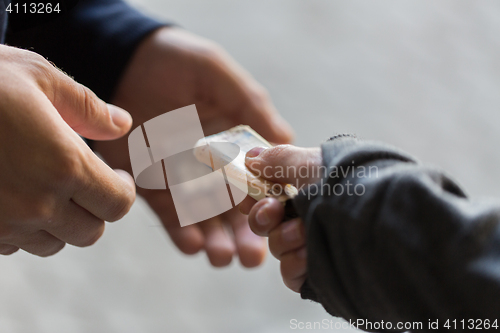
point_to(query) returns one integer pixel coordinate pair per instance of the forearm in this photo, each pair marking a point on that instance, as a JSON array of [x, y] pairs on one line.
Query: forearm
[[93, 42], [407, 246]]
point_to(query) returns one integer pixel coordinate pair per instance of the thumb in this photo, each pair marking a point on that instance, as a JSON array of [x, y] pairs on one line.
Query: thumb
[[86, 113], [286, 164]]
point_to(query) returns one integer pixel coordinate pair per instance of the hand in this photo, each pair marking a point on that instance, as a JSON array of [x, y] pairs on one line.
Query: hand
[[287, 241], [173, 68], [53, 189]]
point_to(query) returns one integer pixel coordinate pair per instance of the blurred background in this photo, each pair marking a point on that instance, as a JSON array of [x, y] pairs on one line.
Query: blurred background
[[421, 75]]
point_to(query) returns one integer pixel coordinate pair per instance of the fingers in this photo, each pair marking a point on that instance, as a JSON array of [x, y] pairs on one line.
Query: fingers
[[76, 226], [219, 247], [211, 235], [72, 224], [103, 192], [70, 165], [51, 164], [83, 111], [286, 237], [286, 164], [258, 111], [40, 243], [97, 188], [6, 249], [246, 205], [262, 116], [294, 269], [188, 239], [251, 248], [265, 216], [235, 91]]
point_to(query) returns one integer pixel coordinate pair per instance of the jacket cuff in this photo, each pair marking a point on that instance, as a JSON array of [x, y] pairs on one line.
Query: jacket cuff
[[306, 292], [93, 42]]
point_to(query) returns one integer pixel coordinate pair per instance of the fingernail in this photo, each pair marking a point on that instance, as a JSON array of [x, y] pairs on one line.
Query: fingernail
[[291, 232], [254, 152], [120, 117], [261, 217]]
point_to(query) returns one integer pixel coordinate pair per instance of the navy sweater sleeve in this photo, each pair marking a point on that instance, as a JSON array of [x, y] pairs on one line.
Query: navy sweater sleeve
[[3, 19], [93, 42], [406, 245]]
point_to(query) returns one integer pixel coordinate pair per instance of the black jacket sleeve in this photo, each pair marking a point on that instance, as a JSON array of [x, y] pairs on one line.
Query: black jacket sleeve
[[92, 42], [390, 239]]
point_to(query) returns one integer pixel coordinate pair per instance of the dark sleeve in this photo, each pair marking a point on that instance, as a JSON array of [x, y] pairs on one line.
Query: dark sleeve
[[92, 42], [390, 239]]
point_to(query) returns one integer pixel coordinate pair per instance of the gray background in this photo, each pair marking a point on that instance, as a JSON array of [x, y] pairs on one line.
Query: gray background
[[422, 75]]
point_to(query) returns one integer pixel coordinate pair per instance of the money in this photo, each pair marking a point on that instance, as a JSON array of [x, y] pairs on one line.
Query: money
[[218, 151]]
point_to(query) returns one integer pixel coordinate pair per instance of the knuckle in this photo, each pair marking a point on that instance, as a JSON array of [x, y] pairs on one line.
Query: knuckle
[[51, 249], [7, 232], [292, 284], [277, 153], [120, 206], [8, 249], [65, 167], [277, 245], [34, 59], [286, 269], [42, 71], [274, 248], [91, 238], [90, 106], [41, 209]]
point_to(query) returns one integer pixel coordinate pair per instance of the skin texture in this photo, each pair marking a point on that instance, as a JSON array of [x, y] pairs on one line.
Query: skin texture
[[287, 241], [171, 69], [53, 189]]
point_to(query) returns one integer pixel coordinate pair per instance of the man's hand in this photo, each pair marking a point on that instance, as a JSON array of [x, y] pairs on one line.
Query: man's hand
[[53, 189], [171, 69], [287, 241]]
